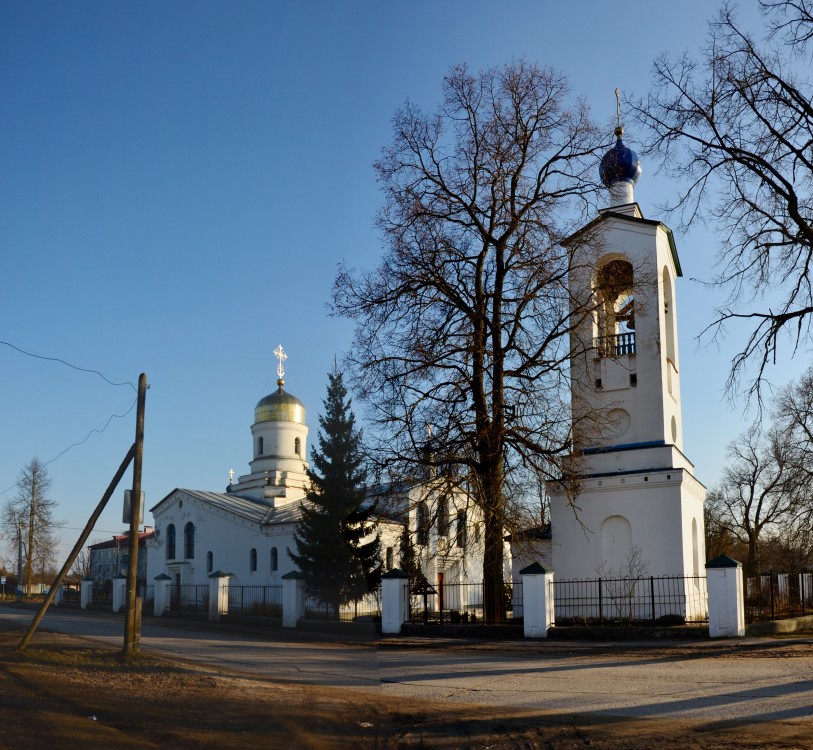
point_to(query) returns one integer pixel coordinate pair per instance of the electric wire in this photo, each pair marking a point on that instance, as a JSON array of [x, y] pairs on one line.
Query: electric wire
[[68, 364]]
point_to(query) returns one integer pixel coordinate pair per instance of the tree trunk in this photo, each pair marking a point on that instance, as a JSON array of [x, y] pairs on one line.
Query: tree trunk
[[493, 588], [29, 553]]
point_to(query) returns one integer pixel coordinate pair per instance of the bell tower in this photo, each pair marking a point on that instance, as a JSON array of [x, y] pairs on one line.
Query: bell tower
[[637, 503]]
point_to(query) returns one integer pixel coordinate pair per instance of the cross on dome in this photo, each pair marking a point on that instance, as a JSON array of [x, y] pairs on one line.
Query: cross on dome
[[281, 356]]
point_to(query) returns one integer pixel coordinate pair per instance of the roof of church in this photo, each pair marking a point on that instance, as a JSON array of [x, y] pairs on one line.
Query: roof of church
[[252, 510]]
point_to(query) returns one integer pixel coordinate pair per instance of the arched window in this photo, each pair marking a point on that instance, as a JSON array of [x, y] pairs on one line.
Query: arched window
[[443, 516], [669, 327], [259, 446], [298, 447], [274, 560], [615, 309], [171, 542], [422, 524], [389, 558], [189, 541], [252, 560], [461, 529], [210, 562]]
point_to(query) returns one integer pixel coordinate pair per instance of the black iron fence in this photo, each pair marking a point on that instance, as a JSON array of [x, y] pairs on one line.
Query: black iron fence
[[598, 601], [366, 609], [777, 596], [265, 601], [189, 598], [102, 593], [466, 604]]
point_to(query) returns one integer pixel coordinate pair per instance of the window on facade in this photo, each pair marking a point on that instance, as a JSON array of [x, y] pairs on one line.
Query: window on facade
[[274, 560], [259, 446], [189, 541], [252, 560], [443, 517], [422, 523], [210, 562], [171, 542], [615, 309], [461, 528], [298, 447], [389, 558]]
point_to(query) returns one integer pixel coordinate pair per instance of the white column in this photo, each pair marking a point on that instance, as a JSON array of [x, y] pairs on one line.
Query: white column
[[394, 600], [218, 595], [726, 598], [293, 599], [86, 593], [119, 593], [537, 600], [161, 601], [59, 596]]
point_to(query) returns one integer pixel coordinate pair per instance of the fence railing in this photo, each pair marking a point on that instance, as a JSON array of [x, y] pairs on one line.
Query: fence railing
[[615, 345], [189, 598], [366, 609], [466, 604], [102, 593], [265, 601], [776, 596], [627, 601]]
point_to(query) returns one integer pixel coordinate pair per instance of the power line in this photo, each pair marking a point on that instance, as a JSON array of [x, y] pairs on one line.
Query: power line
[[83, 440], [68, 364]]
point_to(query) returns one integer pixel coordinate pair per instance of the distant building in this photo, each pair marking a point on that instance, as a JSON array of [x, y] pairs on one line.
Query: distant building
[[109, 560]]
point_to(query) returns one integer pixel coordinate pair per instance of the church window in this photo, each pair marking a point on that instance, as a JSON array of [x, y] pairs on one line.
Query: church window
[[298, 447], [259, 446], [615, 309], [171, 542], [669, 327], [252, 560], [189, 541], [422, 524], [210, 562], [274, 559], [443, 517], [461, 528], [389, 558]]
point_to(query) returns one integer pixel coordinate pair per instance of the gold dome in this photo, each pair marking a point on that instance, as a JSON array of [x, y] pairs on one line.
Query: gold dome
[[280, 406]]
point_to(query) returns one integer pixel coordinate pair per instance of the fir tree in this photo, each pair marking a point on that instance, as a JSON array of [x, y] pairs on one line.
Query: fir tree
[[337, 548], [410, 562]]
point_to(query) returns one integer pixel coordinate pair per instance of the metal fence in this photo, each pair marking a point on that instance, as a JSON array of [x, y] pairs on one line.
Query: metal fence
[[147, 594], [264, 601], [189, 598], [367, 609], [102, 593], [776, 596], [598, 601], [465, 604]]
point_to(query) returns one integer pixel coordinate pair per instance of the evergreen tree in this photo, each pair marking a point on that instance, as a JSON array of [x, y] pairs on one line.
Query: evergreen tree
[[337, 547]]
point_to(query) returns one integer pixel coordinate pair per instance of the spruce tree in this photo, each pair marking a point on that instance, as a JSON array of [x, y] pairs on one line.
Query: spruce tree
[[337, 548], [410, 562]]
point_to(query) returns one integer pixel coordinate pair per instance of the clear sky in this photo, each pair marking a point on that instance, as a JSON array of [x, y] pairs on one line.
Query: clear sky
[[179, 180]]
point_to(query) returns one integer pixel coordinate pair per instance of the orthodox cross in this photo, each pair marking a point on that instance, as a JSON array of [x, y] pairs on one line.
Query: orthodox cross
[[618, 106], [280, 354]]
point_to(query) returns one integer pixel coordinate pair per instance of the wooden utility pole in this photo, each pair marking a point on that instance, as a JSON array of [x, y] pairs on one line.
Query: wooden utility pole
[[132, 623]]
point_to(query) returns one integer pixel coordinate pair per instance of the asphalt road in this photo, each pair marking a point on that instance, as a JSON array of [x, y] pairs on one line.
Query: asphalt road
[[752, 679]]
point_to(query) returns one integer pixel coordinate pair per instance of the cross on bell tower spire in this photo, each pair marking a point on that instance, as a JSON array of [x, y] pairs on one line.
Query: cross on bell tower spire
[[281, 356]]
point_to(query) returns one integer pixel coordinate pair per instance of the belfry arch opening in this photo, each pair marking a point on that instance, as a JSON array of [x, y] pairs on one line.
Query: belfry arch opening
[[615, 309]]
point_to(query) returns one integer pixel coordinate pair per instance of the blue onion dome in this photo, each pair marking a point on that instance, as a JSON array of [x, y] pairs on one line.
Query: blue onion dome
[[280, 406], [620, 164]]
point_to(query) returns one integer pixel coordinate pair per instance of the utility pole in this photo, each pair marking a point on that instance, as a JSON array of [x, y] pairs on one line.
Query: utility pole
[[19, 561], [132, 622]]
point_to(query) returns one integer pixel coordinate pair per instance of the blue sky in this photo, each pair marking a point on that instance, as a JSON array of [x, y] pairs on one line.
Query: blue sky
[[179, 180]]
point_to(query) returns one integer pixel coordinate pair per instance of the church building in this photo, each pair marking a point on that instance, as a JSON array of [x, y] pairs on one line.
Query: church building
[[637, 508]]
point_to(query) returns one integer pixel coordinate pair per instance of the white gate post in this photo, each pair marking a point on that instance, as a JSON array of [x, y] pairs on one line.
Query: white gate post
[[293, 598], [537, 600], [119, 593], [59, 596], [161, 601], [218, 595], [726, 598], [86, 593], [394, 600]]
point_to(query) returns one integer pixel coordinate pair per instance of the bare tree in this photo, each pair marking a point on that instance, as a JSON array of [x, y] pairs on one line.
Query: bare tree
[[736, 127], [464, 325], [28, 517], [762, 491], [82, 567]]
